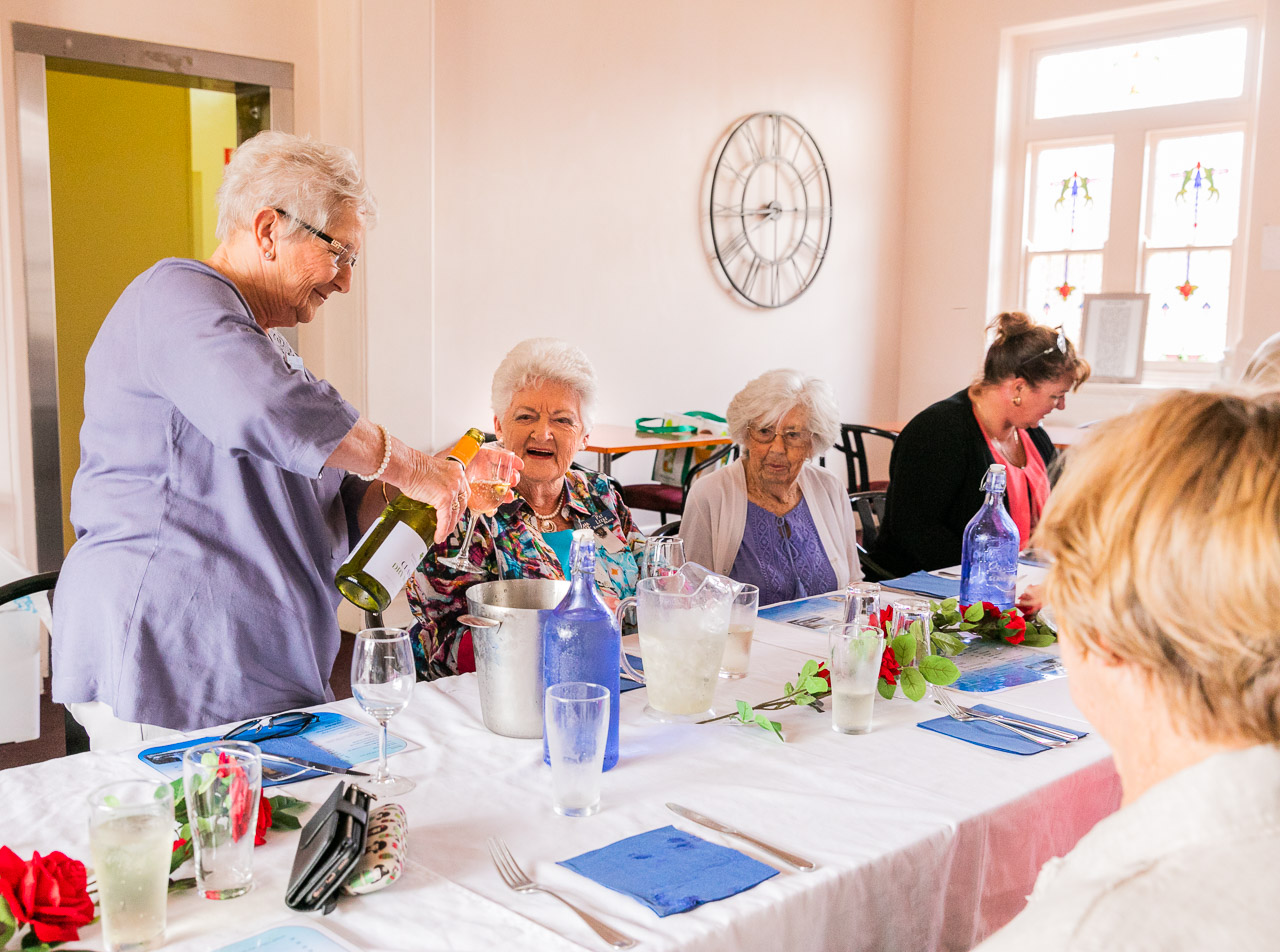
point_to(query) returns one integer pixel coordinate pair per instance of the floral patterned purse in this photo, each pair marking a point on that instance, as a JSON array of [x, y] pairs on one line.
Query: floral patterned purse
[[385, 847]]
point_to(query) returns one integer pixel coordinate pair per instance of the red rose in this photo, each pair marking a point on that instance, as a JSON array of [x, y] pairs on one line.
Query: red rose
[[989, 610], [49, 892], [883, 619], [1015, 628], [241, 804], [823, 673], [889, 666], [178, 844], [264, 820]]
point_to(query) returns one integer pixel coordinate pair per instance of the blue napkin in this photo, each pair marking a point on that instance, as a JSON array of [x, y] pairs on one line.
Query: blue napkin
[[625, 684], [669, 870], [926, 584], [985, 734]]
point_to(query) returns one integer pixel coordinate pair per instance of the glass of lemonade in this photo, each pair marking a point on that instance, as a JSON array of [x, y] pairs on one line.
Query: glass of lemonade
[[131, 840], [855, 652], [742, 625], [577, 726]]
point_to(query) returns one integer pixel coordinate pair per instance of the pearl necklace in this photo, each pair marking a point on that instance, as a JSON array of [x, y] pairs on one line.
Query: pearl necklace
[[547, 522]]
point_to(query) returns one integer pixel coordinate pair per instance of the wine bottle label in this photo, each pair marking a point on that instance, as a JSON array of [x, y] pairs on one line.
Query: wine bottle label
[[395, 560]]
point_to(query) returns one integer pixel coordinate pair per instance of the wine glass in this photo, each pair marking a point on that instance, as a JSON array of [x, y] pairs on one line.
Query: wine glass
[[382, 679], [662, 556], [490, 477]]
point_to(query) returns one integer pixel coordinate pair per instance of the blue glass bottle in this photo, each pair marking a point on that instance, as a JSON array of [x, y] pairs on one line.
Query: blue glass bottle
[[580, 639], [989, 557]]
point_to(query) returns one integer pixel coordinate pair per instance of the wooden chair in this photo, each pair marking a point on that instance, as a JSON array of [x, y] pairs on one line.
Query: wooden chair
[[855, 455], [669, 500]]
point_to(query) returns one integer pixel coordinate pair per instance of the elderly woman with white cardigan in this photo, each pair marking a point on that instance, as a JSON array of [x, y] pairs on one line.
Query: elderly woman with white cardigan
[[772, 518]]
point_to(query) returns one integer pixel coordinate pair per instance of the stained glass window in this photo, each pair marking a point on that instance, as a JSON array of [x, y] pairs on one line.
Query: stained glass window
[[1193, 67]]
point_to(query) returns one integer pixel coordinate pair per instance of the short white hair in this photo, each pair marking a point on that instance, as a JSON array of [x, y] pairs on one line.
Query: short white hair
[[774, 394], [312, 181], [539, 360]]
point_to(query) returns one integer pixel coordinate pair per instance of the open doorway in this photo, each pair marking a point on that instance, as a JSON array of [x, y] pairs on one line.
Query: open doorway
[[120, 163]]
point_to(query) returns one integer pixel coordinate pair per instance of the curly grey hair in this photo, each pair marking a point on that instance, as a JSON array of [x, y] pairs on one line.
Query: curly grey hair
[[539, 360], [772, 395], [312, 181]]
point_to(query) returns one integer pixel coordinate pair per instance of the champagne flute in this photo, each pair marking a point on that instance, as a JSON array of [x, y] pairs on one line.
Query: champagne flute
[[490, 477], [662, 556], [382, 679]]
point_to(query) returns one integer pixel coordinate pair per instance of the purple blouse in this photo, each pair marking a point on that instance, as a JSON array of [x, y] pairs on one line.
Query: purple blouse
[[783, 555], [200, 586]]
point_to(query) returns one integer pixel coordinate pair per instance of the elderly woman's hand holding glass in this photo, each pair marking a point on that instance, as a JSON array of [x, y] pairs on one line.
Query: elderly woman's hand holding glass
[[772, 518], [543, 398]]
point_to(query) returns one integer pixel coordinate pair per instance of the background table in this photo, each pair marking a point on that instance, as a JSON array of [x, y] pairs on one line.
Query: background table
[[609, 441], [923, 841]]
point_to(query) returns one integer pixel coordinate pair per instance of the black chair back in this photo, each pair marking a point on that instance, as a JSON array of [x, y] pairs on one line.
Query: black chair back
[[665, 530], [710, 462], [870, 509], [855, 452]]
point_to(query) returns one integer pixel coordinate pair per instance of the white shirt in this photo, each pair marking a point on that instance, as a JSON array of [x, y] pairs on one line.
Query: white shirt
[[1192, 864], [715, 516]]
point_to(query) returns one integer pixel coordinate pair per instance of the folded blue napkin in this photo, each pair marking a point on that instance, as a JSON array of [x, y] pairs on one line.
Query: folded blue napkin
[[986, 734], [625, 684], [926, 584], [669, 870]]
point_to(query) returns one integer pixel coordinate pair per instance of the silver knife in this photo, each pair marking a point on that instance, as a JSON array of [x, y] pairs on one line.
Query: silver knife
[[312, 765], [799, 862]]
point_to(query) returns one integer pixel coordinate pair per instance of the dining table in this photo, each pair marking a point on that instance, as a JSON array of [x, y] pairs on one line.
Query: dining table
[[922, 841], [610, 440]]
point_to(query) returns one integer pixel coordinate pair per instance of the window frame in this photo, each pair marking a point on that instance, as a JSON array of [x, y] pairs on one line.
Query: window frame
[[1132, 133]]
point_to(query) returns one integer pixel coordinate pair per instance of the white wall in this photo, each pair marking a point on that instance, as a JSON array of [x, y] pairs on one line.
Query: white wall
[[951, 209], [570, 146]]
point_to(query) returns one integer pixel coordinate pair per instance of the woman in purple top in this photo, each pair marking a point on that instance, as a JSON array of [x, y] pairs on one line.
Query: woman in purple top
[[773, 518], [214, 502]]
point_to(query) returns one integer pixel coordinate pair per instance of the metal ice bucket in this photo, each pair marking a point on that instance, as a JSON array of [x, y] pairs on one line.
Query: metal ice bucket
[[506, 630]]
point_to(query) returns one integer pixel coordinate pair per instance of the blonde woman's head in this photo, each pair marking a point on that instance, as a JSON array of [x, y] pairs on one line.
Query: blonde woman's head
[[1165, 535]]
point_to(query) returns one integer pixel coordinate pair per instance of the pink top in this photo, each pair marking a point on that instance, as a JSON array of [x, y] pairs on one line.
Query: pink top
[[1027, 486]]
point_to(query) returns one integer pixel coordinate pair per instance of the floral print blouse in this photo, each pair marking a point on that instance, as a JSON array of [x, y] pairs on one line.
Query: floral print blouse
[[437, 594]]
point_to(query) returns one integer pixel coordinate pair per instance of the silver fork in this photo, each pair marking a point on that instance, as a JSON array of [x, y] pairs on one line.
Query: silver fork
[[516, 879], [953, 711]]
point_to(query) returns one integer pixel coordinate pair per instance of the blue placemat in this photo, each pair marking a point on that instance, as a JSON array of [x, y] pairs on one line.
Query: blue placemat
[[926, 584], [986, 734], [625, 684], [670, 870]]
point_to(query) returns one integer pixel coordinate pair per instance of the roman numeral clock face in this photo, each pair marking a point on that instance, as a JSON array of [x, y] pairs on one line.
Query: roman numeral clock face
[[770, 209]]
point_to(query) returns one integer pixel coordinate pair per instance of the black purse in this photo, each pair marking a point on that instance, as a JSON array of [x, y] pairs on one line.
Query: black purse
[[330, 845]]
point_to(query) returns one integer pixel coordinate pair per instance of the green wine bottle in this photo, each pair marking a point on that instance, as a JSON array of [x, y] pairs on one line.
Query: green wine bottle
[[381, 563]]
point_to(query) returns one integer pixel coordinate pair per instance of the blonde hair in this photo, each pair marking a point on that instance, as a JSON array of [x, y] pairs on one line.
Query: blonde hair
[[1165, 535], [311, 181], [772, 395]]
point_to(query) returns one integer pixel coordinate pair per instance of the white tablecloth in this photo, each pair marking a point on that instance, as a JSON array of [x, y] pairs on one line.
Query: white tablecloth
[[923, 841]]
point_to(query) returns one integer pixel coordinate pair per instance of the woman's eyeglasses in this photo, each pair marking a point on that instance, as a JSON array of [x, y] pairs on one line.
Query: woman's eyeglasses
[[764, 435], [287, 724], [342, 255]]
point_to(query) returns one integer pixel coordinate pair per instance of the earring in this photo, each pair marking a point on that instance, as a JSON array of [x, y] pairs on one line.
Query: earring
[[268, 255], [1017, 401]]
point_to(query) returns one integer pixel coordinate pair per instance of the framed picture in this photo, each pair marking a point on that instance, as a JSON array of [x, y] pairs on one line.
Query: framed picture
[[1112, 335]]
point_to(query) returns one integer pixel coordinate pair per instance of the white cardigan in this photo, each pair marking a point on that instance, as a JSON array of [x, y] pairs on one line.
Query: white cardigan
[[715, 516]]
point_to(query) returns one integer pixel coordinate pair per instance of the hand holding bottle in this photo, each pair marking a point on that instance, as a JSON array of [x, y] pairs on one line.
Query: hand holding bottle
[[438, 481]]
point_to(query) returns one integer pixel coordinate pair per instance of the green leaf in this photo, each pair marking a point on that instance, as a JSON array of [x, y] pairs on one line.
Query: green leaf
[[32, 944], [886, 689], [808, 668], [949, 604], [815, 685], [938, 670], [744, 712], [904, 648], [967, 626], [789, 689], [913, 684], [1038, 641], [111, 800], [282, 803], [974, 612], [178, 885], [772, 726], [8, 924], [285, 821], [946, 643]]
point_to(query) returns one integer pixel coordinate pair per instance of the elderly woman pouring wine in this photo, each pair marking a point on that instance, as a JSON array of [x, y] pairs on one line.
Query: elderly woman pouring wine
[[543, 397], [217, 488], [772, 518]]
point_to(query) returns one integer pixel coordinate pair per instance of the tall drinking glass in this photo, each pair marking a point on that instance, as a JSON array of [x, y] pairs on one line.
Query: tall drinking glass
[[382, 679], [131, 838], [577, 719], [662, 556], [855, 652], [489, 477], [223, 783], [742, 626], [861, 602], [915, 616]]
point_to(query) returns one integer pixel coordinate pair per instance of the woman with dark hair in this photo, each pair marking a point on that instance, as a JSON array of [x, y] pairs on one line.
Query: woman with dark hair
[[935, 472]]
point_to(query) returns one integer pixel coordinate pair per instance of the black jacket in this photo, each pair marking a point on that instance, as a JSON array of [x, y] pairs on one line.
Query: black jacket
[[935, 480]]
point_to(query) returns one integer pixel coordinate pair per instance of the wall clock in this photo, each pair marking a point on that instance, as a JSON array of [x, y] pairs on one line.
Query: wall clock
[[770, 209]]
